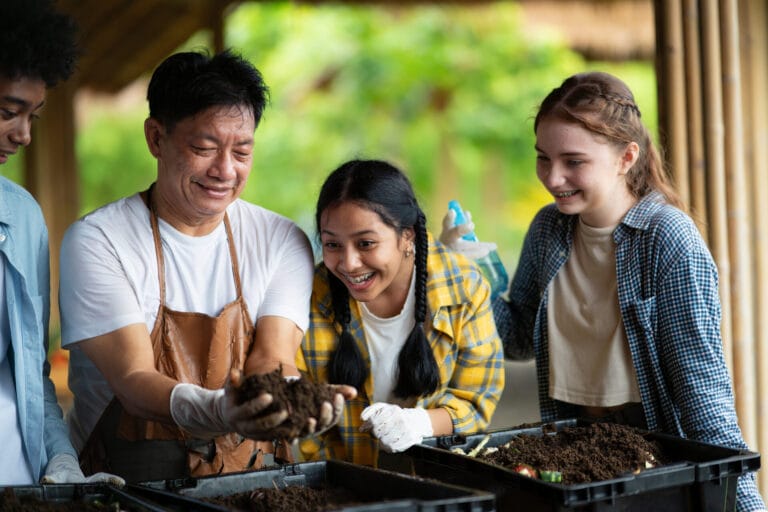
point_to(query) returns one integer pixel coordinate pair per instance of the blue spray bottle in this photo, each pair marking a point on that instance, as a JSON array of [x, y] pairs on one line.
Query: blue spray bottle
[[490, 264]]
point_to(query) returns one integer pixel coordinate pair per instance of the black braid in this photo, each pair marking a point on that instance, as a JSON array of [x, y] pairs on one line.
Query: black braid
[[419, 374], [346, 365], [384, 189], [422, 251]]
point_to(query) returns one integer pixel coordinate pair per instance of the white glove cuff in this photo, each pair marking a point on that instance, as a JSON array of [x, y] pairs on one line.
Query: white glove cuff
[[473, 250], [63, 461], [198, 410], [63, 464], [419, 419], [63, 468]]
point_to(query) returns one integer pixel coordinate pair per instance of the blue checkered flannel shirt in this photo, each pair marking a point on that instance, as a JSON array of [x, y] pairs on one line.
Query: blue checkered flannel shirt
[[670, 307]]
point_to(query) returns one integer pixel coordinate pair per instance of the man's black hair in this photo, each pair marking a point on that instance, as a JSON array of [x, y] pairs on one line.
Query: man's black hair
[[187, 83], [36, 41]]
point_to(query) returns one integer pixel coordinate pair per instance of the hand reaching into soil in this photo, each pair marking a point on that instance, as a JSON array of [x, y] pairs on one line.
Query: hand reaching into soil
[[207, 413]]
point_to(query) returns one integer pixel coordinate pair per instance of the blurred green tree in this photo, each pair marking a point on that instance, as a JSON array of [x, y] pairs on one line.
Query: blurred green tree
[[447, 93]]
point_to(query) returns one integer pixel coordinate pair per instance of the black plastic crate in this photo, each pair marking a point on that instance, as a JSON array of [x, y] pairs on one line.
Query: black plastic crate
[[85, 497], [380, 489], [702, 477]]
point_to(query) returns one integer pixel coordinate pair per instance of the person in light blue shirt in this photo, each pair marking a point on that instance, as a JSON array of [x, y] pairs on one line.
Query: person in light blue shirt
[[37, 50]]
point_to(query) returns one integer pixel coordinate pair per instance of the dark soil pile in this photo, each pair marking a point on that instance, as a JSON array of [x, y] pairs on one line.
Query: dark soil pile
[[301, 397], [293, 499], [10, 502], [600, 451]]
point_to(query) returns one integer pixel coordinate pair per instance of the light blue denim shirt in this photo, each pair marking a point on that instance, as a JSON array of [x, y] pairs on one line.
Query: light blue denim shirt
[[24, 244], [670, 308]]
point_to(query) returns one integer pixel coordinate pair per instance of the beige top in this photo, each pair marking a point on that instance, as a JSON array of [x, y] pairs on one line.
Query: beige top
[[589, 358]]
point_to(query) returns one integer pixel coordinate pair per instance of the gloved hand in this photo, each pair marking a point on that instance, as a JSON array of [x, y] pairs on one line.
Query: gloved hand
[[63, 468], [451, 236], [207, 413], [330, 413], [396, 428]]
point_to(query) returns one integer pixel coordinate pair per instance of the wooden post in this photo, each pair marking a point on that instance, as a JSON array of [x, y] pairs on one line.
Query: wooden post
[[754, 43], [217, 24], [716, 181], [51, 176], [672, 92], [697, 176], [738, 234]]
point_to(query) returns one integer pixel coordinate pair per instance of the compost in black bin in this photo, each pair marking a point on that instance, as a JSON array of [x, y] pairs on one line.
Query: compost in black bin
[[696, 476], [372, 490], [71, 497]]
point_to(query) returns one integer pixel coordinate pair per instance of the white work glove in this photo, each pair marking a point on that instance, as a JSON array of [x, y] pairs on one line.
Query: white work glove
[[396, 428], [208, 413], [451, 236], [63, 468]]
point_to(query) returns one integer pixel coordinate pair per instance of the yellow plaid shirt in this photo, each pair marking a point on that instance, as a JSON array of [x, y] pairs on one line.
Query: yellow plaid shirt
[[463, 337]]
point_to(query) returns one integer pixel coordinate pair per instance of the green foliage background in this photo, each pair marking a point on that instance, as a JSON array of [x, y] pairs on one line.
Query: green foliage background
[[446, 93]]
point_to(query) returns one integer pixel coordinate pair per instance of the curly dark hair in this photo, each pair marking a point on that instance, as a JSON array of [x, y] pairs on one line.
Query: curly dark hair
[[36, 41]]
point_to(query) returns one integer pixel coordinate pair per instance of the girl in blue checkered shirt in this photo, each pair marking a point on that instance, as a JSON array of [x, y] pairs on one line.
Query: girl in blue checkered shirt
[[616, 293]]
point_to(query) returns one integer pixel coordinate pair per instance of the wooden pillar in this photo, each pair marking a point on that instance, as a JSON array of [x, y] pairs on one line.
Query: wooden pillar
[[51, 176], [697, 178], [672, 88], [739, 243], [217, 24], [753, 16], [712, 115]]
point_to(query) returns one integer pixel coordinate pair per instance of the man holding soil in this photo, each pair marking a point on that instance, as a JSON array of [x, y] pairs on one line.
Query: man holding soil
[[170, 295]]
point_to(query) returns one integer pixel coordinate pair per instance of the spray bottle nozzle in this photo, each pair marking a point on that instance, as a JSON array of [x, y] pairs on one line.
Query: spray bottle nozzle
[[461, 219]]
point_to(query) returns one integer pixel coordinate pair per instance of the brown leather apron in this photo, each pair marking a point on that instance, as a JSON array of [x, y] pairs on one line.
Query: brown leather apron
[[188, 347]]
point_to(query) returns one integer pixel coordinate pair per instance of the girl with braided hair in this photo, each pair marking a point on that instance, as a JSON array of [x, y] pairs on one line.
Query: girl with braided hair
[[399, 317], [616, 293]]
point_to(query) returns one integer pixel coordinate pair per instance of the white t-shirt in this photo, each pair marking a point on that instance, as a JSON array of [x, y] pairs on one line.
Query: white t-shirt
[[589, 359], [109, 280], [385, 338], [14, 470]]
